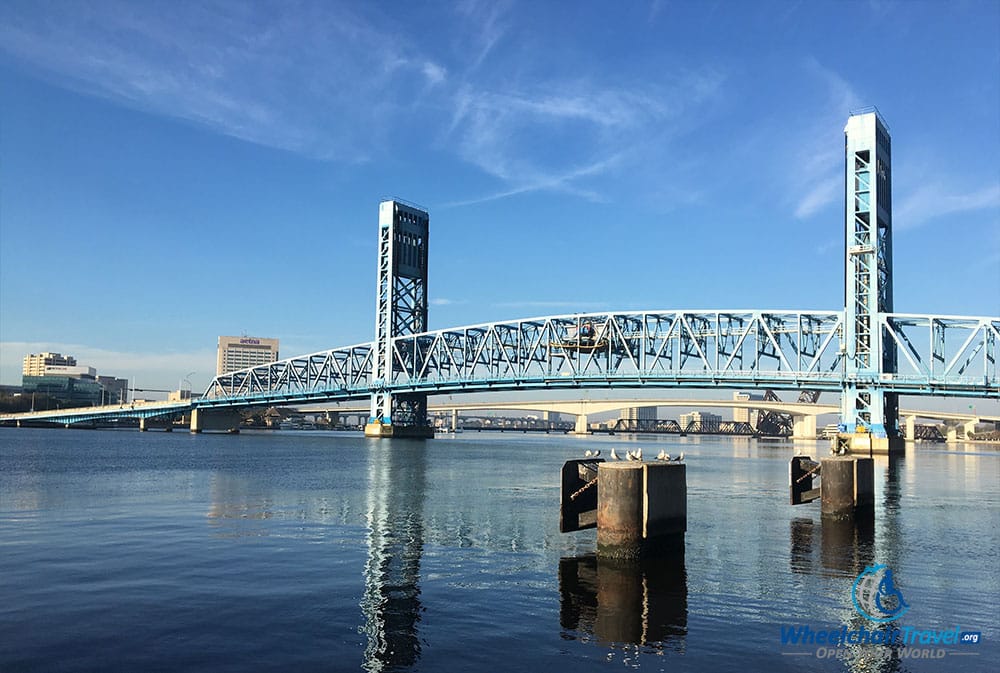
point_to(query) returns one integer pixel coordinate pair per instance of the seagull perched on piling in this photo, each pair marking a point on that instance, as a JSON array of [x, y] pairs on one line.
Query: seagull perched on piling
[[635, 455], [663, 455], [591, 454], [614, 456], [679, 458]]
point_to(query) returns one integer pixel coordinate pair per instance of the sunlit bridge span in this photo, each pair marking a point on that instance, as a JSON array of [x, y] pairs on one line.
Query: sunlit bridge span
[[787, 350]]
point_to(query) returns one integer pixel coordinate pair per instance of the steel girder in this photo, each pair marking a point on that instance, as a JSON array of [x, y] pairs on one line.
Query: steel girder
[[782, 350]]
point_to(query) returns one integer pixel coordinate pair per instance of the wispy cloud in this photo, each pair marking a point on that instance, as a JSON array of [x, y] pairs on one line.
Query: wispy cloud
[[442, 301], [301, 78], [486, 23], [434, 73], [339, 82], [830, 244], [821, 194], [936, 200], [818, 163], [590, 129]]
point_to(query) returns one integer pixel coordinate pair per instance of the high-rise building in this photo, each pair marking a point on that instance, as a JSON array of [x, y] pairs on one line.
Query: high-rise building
[[242, 352], [34, 365], [698, 417], [744, 414], [638, 414]]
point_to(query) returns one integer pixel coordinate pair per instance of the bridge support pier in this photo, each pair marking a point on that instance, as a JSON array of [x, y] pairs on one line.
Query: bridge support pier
[[386, 430], [454, 420], [333, 418], [641, 509], [967, 427], [847, 488], [165, 424], [222, 420], [866, 443], [582, 426], [910, 428], [803, 427]]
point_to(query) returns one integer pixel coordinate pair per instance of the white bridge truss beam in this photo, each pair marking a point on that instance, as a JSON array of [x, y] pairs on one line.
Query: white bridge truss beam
[[782, 350]]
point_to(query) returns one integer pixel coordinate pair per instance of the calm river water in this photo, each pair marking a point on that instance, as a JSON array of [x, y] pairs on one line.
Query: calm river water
[[308, 551]]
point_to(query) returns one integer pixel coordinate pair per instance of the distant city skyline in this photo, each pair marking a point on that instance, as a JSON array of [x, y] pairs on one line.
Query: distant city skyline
[[173, 174]]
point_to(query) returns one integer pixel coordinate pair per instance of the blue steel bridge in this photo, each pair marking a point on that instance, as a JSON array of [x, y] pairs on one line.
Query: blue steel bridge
[[778, 350], [865, 352]]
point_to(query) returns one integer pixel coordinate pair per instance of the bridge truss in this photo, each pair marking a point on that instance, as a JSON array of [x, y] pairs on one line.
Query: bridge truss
[[779, 350]]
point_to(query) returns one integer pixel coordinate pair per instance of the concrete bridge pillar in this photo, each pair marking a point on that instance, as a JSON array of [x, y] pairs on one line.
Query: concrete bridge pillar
[[225, 420], [803, 427], [163, 423], [967, 427], [582, 425], [454, 420], [910, 428]]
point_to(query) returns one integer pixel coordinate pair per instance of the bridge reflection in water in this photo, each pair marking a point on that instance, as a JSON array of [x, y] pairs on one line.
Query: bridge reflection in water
[[642, 603], [391, 604]]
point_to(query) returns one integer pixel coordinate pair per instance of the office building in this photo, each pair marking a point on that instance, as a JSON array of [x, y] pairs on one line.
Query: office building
[[61, 378], [242, 352], [34, 365], [746, 414], [638, 414], [702, 417], [71, 391]]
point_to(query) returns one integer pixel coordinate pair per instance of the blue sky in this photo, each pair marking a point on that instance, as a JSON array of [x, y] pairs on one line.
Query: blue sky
[[171, 172]]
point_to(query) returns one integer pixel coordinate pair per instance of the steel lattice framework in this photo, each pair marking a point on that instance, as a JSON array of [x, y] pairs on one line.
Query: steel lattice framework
[[400, 309], [868, 275], [780, 350]]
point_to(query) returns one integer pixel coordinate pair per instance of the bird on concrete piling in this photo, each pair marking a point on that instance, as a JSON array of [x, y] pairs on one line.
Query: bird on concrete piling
[[595, 454], [614, 456], [680, 457], [663, 455], [588, 453]]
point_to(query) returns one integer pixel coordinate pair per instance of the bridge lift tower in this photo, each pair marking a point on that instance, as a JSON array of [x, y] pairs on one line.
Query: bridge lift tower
[[869, 415], [400, 309]]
